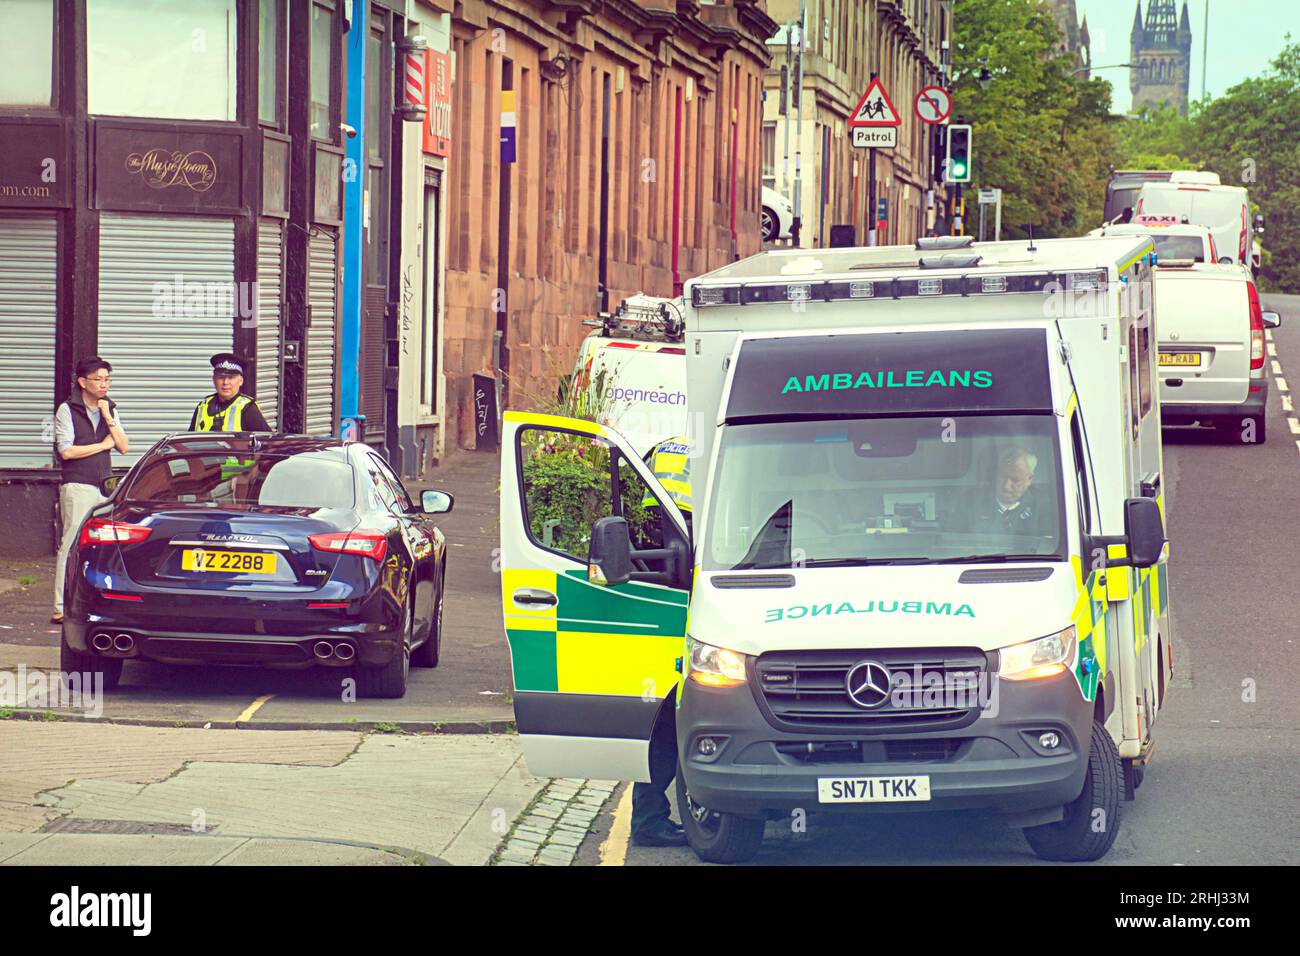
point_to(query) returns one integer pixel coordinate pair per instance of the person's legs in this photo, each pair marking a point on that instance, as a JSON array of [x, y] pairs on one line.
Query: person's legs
[[74, 501], [650, 804]]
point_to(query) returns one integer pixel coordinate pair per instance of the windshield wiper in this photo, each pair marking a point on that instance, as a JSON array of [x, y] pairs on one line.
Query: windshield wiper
[[859, 562], [995, 558]]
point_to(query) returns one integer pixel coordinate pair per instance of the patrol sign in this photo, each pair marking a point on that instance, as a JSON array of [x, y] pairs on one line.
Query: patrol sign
[[875, 137]]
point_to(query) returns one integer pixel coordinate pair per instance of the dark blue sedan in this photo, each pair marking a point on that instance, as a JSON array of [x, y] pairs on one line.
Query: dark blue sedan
[[268, 551]]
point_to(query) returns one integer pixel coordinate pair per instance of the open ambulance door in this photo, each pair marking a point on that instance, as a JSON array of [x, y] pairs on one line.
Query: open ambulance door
[[593, 664]]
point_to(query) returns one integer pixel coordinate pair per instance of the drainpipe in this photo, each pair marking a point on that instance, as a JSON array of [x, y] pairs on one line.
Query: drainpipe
[[735, 125], [677, 192], [352, 232]]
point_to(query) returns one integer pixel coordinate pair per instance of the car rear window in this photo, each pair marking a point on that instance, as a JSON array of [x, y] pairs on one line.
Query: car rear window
[[1180, 247], [243, 479]]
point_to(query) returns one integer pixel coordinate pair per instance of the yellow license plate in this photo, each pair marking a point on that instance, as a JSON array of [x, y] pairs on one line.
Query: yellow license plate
[[1180, 358], [238, 562]]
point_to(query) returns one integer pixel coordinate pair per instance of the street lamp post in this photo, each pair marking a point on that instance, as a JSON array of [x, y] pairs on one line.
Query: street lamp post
[[1113, 66]]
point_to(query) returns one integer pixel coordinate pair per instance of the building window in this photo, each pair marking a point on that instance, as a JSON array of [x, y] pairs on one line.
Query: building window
[[374, 70], [322, 71], [150, 58], [270, 60], [769, 154], [27, 52], [375, 258]]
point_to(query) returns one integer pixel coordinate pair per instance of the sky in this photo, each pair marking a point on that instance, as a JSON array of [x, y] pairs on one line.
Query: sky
[[1245, 35]]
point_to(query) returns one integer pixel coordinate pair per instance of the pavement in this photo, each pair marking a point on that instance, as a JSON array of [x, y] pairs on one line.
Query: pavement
[[82, 794]]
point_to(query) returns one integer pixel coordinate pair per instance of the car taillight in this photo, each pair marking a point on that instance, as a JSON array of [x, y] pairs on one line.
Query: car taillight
[[104, 531], [1256, 328], [370, 544]]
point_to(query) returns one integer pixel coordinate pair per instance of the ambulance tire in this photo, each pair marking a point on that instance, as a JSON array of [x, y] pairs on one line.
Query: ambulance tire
[[81, 662], [718, 837], [1084, 835]]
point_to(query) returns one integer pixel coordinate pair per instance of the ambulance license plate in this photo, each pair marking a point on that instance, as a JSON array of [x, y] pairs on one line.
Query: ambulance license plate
[[239, 562], [1180, 358], [873, 789]]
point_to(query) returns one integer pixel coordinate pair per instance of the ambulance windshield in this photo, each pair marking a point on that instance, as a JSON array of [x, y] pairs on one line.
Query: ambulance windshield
[[905, 490]]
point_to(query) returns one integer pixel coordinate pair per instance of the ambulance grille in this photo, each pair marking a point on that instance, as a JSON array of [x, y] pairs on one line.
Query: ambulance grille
[[809, 689]]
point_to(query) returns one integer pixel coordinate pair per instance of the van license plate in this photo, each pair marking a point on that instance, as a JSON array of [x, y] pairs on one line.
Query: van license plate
[[873, 789], [1180, 358], [238, 562]]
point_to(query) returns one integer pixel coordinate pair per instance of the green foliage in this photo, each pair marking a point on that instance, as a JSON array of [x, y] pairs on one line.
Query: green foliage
[[1041, 134]]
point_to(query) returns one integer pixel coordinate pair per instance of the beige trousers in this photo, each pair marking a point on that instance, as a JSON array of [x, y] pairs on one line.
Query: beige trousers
[[74, 501]]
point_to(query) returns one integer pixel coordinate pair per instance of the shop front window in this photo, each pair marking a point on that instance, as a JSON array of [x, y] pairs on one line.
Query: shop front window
[[269, 61], [27, 52], [154, 58], [322, 69]]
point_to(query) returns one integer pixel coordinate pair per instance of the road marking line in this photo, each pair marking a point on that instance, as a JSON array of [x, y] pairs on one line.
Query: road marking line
[[1286, 404], [253, 708], [1281, 384], [1295, 426], [1268, 334], [1272, 349], [1277, 367], [613, 852]]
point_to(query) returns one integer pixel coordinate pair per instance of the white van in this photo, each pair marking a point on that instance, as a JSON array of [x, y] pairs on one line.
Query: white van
[[632, 372], [1225, 210], [927, 570], [1212, 350]]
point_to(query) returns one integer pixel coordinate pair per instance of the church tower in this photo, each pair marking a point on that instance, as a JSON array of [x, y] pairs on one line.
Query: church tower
[[1161, 48]]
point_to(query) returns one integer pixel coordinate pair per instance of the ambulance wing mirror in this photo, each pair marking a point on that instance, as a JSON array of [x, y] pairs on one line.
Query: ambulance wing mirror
[[1271, 320], [1144, 528], [609, 556]]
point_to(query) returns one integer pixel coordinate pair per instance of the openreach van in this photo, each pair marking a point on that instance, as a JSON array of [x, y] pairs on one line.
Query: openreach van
[[927, 565]]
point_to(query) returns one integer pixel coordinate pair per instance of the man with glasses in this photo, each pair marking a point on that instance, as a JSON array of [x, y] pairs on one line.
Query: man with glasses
[[86, 432]]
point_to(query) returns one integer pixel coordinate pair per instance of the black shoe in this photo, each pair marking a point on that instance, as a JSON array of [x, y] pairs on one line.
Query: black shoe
[[660, 833]]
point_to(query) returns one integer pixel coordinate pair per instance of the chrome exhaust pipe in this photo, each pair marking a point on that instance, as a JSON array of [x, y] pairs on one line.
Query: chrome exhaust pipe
[[345, 652], [123, 643], [323, 650], [101, 642]]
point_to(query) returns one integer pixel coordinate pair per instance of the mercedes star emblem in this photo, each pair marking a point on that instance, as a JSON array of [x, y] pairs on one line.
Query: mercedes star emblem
[[868, 683]]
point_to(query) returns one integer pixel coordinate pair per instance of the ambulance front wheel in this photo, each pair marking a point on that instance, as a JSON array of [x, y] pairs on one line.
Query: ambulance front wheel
[[714, 836], [1091, 820]]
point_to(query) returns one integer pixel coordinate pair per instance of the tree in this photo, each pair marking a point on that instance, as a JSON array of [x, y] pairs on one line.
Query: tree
[[1040, 132]]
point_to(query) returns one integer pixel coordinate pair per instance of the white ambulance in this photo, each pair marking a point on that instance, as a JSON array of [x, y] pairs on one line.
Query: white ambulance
[[928, 569]]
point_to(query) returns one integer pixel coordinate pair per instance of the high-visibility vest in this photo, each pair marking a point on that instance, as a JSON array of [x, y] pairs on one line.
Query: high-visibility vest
[[230, 420], [670, 461]]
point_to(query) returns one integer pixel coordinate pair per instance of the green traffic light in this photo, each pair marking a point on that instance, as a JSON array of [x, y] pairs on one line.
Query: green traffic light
[[959, 169]]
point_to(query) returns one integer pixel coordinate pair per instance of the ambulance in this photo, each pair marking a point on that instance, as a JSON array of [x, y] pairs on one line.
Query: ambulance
[[927, 568]]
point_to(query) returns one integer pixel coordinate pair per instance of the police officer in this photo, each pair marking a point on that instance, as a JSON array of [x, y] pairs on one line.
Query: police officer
[[228, 409], [651, 825], [1011, 506]]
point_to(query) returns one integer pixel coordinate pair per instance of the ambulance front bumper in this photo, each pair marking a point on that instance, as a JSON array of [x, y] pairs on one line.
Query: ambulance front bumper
[[990, 759]]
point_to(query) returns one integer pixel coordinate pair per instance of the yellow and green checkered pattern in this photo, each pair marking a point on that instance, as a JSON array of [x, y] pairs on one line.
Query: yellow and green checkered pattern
[[622, 640]]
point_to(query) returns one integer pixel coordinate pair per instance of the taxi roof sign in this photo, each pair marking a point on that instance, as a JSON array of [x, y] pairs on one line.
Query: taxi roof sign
[[875, 108]]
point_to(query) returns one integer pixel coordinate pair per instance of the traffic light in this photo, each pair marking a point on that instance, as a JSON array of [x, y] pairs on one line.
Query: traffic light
[[957, 160]]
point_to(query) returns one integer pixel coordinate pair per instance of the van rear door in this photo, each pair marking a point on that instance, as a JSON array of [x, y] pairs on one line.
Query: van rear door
[[1203, 323]]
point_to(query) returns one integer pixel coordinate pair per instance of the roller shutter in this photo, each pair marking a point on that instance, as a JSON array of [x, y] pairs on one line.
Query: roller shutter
[[28, 276], [269, 286], [166, 304], [321, 372]]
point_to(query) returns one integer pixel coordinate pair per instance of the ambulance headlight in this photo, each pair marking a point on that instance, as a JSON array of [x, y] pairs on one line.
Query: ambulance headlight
[[714, 666], [1046, 657]]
